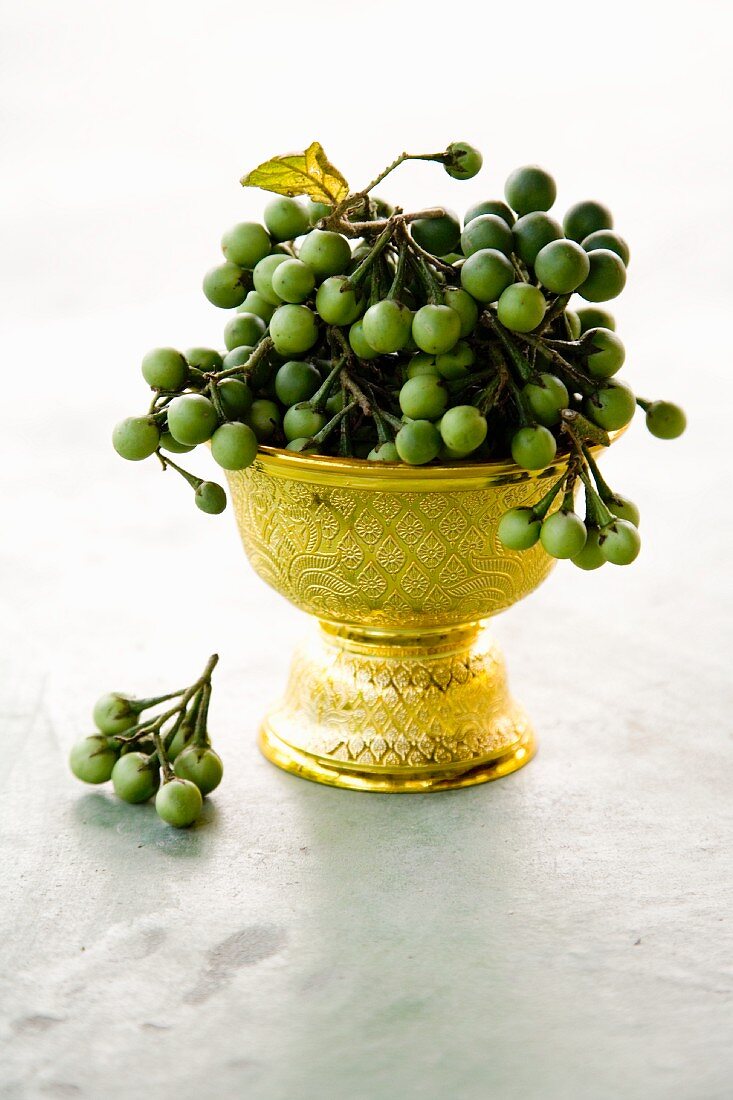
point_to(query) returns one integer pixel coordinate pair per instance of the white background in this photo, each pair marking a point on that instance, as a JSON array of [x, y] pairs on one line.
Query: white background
[[125, 128]]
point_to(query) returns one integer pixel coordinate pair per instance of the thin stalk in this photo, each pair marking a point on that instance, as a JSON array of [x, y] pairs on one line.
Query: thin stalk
[[399, 275], [379, 245], [264, 346], [204, 678], [604, 489], [486, 398], [162, 757], [346, 448], [566, 323], [394, 421], [322, 435], [520, 363], [571, 477], [519, 268], [523, 415], [361, 399], [582, 429], [431, 286], [348, 380], [564, 345], [428, 258], [557, 307], [200, 733], [383, 434], [373, 287], [361, 229], [543, 506], [599, 513], [440, 157], [577, 378], [192, 480], [139, 705], [320, 397], [472, 379], [188, 717], [216, 399]]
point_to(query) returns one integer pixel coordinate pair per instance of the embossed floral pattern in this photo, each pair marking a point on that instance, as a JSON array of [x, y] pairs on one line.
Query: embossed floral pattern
[[420, 711], [382, 558], [390, 556]]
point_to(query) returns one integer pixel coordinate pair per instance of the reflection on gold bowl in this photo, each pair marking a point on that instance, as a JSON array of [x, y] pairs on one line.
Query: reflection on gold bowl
[[400, 687]]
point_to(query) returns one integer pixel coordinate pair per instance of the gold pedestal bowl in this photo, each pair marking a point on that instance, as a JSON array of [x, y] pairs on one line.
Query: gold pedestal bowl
[[400, 687]]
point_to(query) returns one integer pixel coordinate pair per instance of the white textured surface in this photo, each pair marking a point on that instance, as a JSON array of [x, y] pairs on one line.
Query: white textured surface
[[562, 933]]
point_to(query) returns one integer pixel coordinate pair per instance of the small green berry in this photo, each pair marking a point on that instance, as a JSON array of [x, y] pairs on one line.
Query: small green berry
[[136, 438], [210, 498], [619, 542], [245, 244], [466, 161], [563, 534], [590, 557], [135, 777], [519, 528], [92, 759], [114, 713], [665, 420], [384, 452], [165, 369], [202, 766], [179, 802]]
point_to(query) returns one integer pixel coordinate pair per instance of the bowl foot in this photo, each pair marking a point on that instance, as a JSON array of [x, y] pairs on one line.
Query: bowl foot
[[373, 711], [320, 770]]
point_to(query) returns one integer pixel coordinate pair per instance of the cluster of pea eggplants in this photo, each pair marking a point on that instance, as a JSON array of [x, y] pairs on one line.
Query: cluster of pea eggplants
[[166, 755], [365, 333]]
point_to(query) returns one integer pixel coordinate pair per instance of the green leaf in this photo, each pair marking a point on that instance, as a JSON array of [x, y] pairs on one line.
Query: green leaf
[[310, 173]]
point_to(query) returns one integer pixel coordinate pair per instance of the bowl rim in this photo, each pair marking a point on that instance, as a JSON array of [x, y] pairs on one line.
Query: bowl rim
[[295, 466]]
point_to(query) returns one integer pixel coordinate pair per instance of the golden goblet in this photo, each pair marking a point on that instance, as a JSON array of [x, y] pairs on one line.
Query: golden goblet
[[400, 687]]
